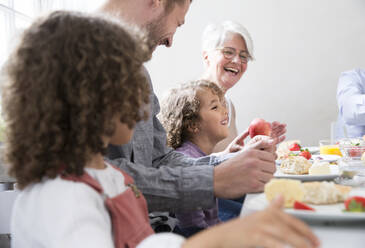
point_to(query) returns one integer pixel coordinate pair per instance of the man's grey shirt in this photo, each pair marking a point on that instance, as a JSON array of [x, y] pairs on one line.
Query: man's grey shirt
[[169, 180]]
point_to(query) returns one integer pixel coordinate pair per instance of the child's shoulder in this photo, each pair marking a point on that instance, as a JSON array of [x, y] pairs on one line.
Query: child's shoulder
[[190, 149], [54, 196], [58, 205], [57, 192]]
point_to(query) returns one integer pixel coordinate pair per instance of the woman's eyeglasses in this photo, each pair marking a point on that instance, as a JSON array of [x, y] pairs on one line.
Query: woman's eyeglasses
[[230, 53]]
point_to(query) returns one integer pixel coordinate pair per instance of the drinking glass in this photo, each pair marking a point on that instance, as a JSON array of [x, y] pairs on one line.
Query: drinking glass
[[329, 147]]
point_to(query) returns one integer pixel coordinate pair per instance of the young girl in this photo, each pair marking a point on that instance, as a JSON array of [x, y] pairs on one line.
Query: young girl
[[75, 85], [195, 118]]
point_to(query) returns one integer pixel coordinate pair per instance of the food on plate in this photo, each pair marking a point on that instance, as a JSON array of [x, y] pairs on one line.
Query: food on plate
[[286, 144], [305, 153], [296, 165], [259, 127], [319, 168], [324, 192], [363, 156], [292, 190], [294, 147], [283, 149], [302, 206], [308, 192], [355, 204], [355, 152]]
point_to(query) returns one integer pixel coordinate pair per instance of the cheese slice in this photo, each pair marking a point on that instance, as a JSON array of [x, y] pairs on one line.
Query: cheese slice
[[320, 168], [292, 190]]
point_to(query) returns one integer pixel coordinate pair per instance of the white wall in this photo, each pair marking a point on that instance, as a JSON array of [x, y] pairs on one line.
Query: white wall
[[301, 47]]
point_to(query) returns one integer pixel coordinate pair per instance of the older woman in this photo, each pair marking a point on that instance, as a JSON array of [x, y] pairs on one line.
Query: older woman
[[227, 49]]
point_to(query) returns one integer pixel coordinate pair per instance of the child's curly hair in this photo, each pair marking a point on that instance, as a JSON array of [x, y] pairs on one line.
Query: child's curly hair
[[70, 75], [180, 110]]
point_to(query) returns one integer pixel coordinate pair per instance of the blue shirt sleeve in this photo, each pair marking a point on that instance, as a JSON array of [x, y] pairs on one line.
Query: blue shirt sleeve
[[351, 97]]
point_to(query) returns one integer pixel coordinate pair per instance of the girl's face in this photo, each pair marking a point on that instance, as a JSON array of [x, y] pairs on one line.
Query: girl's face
[[224, 64], [122, 134], [213, 115]]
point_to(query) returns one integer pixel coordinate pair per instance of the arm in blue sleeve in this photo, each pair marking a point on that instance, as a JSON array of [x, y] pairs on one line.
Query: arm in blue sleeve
[[351, 98]]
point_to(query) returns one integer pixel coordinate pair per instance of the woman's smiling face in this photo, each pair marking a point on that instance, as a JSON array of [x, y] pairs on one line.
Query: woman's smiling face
[[223, 71]]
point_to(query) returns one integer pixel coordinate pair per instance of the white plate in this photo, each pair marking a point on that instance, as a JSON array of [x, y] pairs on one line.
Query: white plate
[[311, 149], [326, 213], [326, 158], [323, 158], [335, 172]]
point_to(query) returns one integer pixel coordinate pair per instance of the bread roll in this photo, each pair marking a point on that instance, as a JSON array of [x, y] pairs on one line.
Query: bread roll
[[308, 192], [324, 192], [296, 165]]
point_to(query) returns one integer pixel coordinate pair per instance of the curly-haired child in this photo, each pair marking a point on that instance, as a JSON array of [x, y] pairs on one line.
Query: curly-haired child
[[195, 118], [74, 85]]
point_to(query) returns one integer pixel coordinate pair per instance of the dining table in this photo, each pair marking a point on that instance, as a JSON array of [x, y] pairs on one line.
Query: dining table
[[332, 234], [333, 230]]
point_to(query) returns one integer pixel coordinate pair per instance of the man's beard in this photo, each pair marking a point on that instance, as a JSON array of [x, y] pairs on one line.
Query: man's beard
[[155, 30]]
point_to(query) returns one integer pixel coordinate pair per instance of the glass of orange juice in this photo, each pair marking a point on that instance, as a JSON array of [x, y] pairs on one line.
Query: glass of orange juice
[[329, 147]]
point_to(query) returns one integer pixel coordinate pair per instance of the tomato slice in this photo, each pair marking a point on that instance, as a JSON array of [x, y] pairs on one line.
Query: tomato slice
[[302, 206], [294, 147], [355, 204], [305, 153]]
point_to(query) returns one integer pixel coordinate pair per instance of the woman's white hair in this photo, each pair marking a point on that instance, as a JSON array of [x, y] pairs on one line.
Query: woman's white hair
[[215, 34]]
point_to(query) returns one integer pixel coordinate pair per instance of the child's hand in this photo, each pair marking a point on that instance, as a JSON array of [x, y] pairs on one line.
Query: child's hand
[[237, 144], [262, 142], [265, 143], [277, 130]]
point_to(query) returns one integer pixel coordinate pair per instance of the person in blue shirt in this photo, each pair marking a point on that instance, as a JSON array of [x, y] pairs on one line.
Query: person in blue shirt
[[351, 104]]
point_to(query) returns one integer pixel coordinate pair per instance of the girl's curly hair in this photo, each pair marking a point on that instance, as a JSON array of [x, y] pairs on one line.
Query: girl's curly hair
[[180, 110], [70, 75]]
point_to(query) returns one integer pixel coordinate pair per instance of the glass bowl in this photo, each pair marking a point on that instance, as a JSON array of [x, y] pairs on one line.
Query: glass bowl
[[352, 148], [352, 172]]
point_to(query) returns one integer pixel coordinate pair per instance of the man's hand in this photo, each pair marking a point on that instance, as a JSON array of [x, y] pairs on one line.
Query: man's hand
[[248, 171]]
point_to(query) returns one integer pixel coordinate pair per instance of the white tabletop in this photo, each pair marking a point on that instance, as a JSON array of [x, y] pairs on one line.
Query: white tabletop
[[331, 234]]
